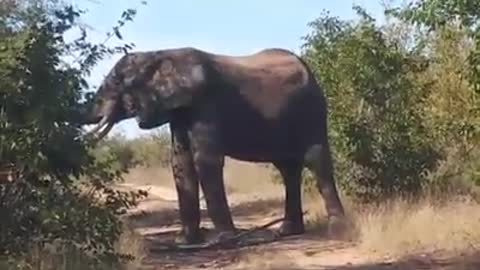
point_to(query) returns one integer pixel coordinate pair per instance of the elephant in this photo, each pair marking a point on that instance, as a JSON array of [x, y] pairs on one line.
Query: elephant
[[263, 107]]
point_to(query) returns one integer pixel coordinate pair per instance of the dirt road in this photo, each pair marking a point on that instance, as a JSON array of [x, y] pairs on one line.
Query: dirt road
[[156, 219]]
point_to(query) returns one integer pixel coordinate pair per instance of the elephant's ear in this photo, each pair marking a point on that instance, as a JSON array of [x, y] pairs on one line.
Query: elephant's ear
[[175, 85]]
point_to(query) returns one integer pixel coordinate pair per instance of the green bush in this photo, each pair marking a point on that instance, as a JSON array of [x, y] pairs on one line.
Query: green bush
[[380, 143], [402, 111], [153, 150], [118, 151], [63, 196], [145, 151]]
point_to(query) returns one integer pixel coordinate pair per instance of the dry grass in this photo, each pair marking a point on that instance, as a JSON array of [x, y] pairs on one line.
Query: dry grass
[[240, 177], [131, 243], [247, 177], [398, 227], [395, 229], [401, 228]]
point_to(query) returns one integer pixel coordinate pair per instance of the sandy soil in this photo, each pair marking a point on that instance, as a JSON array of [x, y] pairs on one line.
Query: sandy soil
[[156, 219]]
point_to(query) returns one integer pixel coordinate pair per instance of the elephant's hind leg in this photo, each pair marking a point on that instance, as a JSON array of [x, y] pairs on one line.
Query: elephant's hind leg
[[291, 171], [318, 159]]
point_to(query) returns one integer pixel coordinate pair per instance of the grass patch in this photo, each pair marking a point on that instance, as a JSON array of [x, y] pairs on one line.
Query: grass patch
[[401, 228]]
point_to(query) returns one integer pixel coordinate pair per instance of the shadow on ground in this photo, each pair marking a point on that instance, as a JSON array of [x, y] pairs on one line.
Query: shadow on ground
[[165, 213], [221, 258], [251, 258]]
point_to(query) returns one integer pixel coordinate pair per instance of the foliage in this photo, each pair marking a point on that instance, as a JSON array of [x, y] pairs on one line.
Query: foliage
[[153, 150], [403, 110], [450, 37], [145, 151], [450, 112], [436, 15], [40, 93], [381, 145], [117, 150]]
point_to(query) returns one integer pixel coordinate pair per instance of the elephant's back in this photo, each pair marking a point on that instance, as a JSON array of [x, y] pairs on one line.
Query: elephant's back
[[269, 106], [266, 81]]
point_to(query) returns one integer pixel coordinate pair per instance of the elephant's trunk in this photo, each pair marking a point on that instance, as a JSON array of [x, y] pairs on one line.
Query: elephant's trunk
[[105, 122]]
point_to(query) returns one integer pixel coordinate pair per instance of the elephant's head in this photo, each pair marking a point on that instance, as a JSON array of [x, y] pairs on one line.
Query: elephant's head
[[148, 86]]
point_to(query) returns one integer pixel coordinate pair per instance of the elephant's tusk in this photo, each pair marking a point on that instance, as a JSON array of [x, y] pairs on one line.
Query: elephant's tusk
[[103, 122], [99, 126], [101, 135], [104, 132]]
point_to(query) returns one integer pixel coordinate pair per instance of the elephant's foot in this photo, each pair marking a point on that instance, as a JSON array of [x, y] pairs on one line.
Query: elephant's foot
[[337, 227], [224, 235], [188, 237], [291, 228], [224, 226]]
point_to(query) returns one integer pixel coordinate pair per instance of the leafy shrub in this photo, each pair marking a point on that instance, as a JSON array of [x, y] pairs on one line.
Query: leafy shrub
[[118, 150], [380, 143], [144, 151], [402, 106], [63, 195], [153, 150]]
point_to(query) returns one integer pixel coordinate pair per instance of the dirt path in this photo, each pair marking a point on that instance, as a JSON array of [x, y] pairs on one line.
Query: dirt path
[[157, 220]]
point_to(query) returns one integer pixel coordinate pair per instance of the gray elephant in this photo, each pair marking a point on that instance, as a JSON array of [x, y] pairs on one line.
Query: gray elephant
[[264, 107]]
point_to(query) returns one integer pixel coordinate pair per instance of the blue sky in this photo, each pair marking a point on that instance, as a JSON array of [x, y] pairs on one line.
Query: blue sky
[[223, 26]]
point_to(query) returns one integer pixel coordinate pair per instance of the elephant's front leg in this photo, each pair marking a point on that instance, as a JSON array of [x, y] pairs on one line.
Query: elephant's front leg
[[209, 162], [186, 183]]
